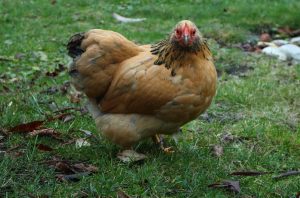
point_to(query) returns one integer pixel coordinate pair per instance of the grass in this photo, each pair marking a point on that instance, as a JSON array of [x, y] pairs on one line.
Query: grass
[[261, 104]]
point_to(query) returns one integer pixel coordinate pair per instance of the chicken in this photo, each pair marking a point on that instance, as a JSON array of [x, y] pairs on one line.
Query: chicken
[[139, 91]]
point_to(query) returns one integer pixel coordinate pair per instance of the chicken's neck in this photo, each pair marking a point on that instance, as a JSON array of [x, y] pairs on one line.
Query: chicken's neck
[[173, 55]]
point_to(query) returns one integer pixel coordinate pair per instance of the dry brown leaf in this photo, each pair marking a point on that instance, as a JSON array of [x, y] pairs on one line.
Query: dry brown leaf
[[67, 168], [27, 127], [64, 167], [230, 185], [81, 167], [74, 172], [45, 132], [131, 156]]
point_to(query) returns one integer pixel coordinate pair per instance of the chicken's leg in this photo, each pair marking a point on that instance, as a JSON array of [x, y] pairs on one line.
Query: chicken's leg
[[158, 139]]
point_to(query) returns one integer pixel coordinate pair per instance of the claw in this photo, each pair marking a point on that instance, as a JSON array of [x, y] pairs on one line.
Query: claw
[[158, 139], [168, 150]]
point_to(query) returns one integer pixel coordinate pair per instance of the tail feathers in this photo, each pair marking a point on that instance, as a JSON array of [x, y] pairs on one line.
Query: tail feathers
[[73, 46], [94, 109]]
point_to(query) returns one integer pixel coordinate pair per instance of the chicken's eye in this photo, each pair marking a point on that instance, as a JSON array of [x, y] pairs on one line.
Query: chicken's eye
[[193, 32], [177, 31]]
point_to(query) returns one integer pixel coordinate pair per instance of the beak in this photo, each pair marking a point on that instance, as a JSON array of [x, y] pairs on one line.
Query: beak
[[186, 39]]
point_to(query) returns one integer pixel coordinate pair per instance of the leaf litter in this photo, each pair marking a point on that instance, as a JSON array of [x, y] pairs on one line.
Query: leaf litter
[[27, 127], [45, 132], [230, 185], [70, 171]]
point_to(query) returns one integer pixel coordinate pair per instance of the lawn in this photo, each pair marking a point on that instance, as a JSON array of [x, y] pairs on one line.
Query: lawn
[[254, 116]]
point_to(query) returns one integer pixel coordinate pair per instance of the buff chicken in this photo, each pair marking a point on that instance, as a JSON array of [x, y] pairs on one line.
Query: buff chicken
[[142, 91]]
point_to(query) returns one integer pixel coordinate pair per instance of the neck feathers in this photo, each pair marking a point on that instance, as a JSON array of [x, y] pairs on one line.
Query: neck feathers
[[173, 55]]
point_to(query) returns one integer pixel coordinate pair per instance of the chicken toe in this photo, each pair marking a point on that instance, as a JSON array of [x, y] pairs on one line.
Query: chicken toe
[[159, 139]]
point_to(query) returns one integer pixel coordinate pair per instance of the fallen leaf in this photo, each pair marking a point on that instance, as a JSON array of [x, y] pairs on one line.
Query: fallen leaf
[[287, 174], [63, 167], [45, 132], [67, 167], [230, 185], [81, 142], [249, 173], [218, 150], [81, 167], [68, 171], [131, 156], [127, 20], [27, 127], [72, 177], [43, 147], [122, 194]]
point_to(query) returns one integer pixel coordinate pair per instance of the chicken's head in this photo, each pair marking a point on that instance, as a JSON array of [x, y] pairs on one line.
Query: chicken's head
[[185, 34]]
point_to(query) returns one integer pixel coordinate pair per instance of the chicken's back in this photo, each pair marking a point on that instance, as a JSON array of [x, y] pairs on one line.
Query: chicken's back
[[96, 56]]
